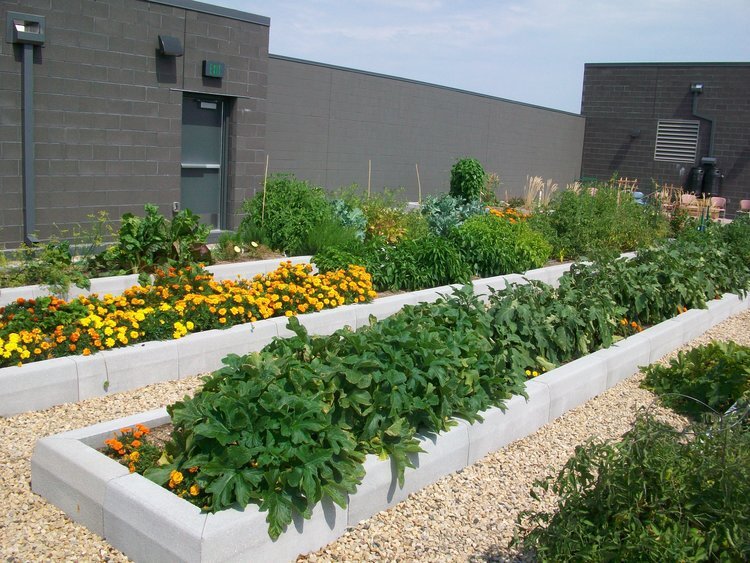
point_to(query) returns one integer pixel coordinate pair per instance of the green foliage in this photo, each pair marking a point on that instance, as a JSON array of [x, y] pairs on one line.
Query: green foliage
[[329, 232], [737, 236], [655, 496], [467, 179], [583, 223], [713, 376], [445, 212], [494, 246], [285, 426], [50, 265], [350, 217], [145, 243], [293, 210]]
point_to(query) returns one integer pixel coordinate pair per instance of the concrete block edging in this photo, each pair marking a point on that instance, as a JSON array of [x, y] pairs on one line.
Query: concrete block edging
[[148, 522]]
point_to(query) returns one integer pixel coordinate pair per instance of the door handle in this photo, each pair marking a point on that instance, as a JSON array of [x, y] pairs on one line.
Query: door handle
[[202, 166]]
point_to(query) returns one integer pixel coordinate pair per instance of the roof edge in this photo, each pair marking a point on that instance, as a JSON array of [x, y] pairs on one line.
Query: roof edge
[[204, 8], [722, 64], [418, 82]]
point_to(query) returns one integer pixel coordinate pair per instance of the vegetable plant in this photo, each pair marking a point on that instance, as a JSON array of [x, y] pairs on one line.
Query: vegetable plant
[[467, 179]]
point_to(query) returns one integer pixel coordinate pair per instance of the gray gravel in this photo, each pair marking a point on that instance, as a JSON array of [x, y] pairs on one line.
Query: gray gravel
[[467, 516]]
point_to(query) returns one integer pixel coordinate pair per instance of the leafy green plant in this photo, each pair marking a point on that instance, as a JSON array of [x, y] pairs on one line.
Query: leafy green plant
[[494, 246], [292, 423], [655, 496], [350, 217], [445, 212], [290, 214], [145, 243], [706, 378], [468, 179]]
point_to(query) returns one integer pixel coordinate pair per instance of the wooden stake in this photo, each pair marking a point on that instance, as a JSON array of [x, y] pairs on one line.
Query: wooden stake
[[419, 184], [263, 209], [369, 175]]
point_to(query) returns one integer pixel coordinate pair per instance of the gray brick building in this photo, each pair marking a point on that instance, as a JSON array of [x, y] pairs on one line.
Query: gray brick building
[[629, 106], [126, 108]]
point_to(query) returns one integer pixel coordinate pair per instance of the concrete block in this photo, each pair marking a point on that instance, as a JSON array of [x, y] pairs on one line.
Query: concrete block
[[521, 418], [92, 375], [694, 323], [202, 352], [664, 337], [248, 531], [624, 358], [549, 275], [138, 365], [575, 383], [10, 294], [73, 477], [149, 523], [722, 309], [114, 285], [93, 436], [379, 490], [38, 385]]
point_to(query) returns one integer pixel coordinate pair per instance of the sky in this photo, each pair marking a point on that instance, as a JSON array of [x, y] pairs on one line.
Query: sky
[[531, 51]]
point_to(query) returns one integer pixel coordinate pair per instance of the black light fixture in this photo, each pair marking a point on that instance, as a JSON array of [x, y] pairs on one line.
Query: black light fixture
[[696, 87], [170, 46], [635, 133]]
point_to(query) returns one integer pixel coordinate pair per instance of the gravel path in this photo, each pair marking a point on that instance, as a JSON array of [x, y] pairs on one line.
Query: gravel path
[[467, 516]]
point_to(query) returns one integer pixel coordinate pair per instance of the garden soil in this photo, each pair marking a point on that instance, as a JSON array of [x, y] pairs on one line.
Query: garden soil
[[467, 516]]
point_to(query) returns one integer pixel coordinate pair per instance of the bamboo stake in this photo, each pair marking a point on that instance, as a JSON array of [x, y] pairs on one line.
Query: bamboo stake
[[369, 175], [419, 185], [263, 209]]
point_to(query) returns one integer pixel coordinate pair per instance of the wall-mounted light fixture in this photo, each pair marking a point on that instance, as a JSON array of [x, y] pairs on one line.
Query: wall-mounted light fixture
[[696, 87], [170, 46], [635, 133]]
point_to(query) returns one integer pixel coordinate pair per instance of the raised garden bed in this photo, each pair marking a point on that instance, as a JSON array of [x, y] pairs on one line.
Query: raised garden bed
[[117, 284], [47, 383], [148, 522]]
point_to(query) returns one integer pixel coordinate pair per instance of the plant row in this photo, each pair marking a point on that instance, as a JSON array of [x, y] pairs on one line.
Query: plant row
[[177, 303], [659, 494], [285, 426]]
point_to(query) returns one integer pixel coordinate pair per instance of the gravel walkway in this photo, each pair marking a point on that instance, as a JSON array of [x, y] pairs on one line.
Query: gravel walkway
[[467, 516]]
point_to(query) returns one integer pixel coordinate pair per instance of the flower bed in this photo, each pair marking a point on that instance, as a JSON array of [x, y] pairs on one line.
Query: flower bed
[[177, 303], [148, 522]]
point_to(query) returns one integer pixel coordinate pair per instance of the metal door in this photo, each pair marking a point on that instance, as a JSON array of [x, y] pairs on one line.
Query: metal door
[[203, 157]]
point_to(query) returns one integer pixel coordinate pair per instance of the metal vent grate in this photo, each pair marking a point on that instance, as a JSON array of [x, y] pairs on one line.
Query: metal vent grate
[[676, 140]]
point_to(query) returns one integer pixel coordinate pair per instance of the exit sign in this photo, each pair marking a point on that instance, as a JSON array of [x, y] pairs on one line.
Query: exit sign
[[213, 69]]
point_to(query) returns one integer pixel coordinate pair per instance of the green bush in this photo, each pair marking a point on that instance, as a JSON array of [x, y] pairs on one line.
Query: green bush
[[467, 179], [494, 246], [707, 378], [146, 243], [655, 496], [50, 265], [737, 236], [293, 210], [445, 212], [608, 220]]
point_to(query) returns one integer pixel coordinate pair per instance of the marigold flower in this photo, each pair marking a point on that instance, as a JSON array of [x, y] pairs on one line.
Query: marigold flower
[[194, 490]]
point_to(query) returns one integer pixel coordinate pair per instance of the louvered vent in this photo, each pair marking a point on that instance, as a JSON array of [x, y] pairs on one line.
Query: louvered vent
[[676, 140]]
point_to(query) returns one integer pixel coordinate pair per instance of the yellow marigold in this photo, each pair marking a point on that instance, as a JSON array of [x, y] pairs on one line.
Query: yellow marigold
[[194, 490], [176, 477]]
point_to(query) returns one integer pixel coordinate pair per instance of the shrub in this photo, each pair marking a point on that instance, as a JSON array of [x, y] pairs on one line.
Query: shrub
[[494, 246], [467, 179], [737, 236], [717, 375], [655, 496], [149, 242], [350, 217], [445, 212], [608, 220], [293, 210]]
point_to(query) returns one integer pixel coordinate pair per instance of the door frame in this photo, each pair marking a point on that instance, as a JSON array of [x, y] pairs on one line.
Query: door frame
[[225, 103]]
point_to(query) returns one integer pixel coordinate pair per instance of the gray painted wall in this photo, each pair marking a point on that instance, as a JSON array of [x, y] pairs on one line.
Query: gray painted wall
[[324, 123]]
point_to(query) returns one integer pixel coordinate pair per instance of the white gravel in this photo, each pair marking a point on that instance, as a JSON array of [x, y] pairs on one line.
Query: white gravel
[[466, 516]]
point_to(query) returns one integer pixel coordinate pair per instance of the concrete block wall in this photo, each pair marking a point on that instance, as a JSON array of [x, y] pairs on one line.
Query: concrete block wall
[[620, 98], [324, 123], [108, 107]]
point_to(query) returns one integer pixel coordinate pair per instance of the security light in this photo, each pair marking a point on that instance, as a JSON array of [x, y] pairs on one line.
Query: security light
[[696, 87], [170, 46], [24, 28]]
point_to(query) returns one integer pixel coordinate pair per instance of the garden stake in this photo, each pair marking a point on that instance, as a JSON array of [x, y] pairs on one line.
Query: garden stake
[[263, 208], [419, 185], [369, 173]]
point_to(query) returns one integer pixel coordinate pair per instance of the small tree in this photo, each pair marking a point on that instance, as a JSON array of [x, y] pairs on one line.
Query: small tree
[[467, 179]]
